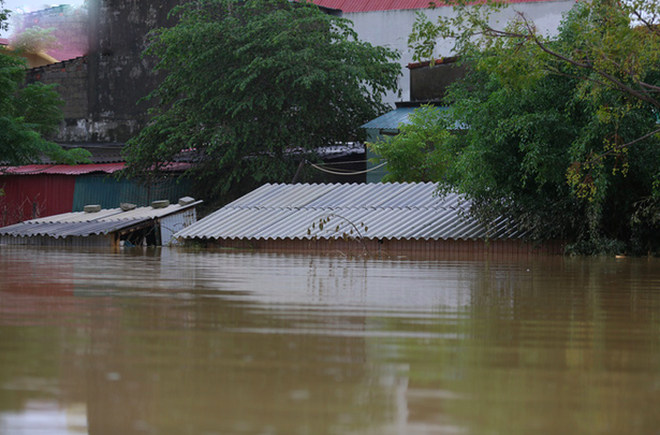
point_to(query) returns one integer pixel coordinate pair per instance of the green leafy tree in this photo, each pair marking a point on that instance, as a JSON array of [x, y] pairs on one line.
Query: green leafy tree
[[27, 114], [4, 16], [611, 47], [34, 40], [255, 87], [562, 133], [420, 152]]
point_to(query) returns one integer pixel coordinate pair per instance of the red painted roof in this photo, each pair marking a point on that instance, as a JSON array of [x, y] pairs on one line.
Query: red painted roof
[[386, 5], [108, 168]]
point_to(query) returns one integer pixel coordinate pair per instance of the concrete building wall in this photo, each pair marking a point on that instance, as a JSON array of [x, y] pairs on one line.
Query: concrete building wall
[[119, 75], [102, 91], [391, 29], [71, 78]]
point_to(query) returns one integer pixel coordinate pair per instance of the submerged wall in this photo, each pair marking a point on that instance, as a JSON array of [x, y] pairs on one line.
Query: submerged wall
[[417, 249]]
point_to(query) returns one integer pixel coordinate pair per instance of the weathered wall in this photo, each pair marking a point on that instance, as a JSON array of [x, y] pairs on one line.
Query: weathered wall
[[33, 196], [71, 78], [119, 76], [102, 91]]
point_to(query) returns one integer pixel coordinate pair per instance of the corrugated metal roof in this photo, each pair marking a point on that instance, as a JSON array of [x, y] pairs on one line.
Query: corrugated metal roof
[[390, 120], [112, 214], [101, 152], [86, 224], [378, 211], [400, 115], [108, 168], [67, 229], [349, 6]]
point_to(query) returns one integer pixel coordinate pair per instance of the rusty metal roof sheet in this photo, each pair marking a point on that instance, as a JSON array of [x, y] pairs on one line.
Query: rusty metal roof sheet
[[349, 6], [376, 211]]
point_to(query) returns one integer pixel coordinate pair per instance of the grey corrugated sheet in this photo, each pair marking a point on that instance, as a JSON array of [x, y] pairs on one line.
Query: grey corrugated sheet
[[67, 229], [80, 224], [388, 211], [111, 214]]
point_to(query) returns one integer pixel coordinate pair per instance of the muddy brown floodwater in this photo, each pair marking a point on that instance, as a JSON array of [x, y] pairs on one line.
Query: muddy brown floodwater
[[180, 342]]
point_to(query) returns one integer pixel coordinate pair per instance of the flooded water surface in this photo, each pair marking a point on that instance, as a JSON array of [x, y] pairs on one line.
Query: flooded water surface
[[177, 342]]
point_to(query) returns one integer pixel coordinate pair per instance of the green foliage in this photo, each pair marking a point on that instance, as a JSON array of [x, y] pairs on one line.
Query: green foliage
[[420, 152], [4, 16], [255, 87], [597, 246], [27, 114], [34, 40], [423, 39], [563, 136], [464, 27]]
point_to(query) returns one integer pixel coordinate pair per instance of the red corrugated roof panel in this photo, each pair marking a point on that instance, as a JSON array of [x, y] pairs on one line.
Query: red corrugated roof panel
[[386, 5], [108, 168]]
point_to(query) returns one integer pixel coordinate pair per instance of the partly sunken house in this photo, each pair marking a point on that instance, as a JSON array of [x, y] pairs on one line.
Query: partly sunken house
[[387, 219], [127, 225], [102, 76]]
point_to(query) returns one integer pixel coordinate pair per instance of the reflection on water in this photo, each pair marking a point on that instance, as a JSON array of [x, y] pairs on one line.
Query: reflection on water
[[176, 342]]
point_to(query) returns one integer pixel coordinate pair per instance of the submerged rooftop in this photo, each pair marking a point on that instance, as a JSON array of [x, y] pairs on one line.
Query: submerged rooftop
[[394, 211]]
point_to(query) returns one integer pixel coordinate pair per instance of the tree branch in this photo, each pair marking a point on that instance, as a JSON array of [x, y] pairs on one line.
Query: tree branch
[[617, 83]]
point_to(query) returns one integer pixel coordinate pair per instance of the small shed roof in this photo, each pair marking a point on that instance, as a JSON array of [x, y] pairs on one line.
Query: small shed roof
[[378, 211], [400, 115], [390, 120], [85, 224]]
